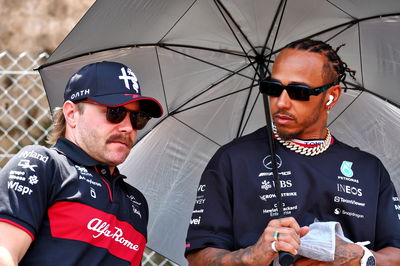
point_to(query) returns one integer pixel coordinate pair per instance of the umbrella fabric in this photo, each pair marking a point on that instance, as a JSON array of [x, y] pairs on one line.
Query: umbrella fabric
[[198, 57]]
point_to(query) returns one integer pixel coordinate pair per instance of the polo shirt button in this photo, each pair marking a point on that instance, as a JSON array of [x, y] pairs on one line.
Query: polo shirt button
[[103, 171]]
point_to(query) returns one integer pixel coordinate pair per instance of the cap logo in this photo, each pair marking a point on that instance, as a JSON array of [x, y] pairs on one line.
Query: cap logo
[[130, 76]]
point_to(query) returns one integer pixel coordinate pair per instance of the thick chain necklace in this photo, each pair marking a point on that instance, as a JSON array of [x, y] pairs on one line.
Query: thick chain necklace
[[307, 151]]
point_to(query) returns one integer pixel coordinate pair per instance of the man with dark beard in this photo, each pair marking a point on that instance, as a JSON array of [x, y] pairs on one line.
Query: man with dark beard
[[69, 205], [234, 221]]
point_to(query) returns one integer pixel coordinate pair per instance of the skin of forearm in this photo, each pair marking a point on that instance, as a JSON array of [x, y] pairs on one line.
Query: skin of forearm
[[387, 256], [215, 256]]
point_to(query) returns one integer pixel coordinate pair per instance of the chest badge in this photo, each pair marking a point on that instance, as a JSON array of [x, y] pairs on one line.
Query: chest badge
[[346, 168]]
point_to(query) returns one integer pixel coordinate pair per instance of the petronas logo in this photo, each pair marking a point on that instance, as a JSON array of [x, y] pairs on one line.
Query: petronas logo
[[346, 168]]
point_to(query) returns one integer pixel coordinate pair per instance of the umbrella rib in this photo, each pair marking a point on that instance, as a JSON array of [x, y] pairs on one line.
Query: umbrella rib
[[219, 6], [345, 109], [361, 62], [212, 100], [382, 98], [340, 9], [343, 30], [162, 79], [245, 107], [206, 90], [209, 63], [203, 48], [272, 26], [352, 22], [251, 111], [209, 88], [198, 132], [210, 49], [184, 13], [277, 31]]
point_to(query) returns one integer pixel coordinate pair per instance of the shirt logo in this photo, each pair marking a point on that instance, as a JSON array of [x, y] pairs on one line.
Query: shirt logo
[[346, 168], [267, 162], [26, 164], [76, 221]]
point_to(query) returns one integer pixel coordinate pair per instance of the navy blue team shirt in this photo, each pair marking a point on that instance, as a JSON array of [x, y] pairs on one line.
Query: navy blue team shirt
[[236, 196], [75, 211]]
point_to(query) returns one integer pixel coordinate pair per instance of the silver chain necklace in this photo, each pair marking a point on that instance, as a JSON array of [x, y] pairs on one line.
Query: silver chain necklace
[[307, 151]]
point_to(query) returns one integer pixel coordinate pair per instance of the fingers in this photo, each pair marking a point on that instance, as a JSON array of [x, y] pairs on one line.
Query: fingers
[[284, 235], [304, 230], [286, 222]]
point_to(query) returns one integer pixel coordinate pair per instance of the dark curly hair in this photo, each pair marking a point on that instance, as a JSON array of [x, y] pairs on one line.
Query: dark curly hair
[[335, 68]]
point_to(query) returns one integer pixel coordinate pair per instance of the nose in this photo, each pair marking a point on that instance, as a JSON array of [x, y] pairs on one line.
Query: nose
[[126, 125], [283, 101]]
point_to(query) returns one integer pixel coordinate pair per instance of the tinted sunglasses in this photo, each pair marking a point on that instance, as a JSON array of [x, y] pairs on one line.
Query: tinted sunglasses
[[138, 119], [299, 92], [115, 115]]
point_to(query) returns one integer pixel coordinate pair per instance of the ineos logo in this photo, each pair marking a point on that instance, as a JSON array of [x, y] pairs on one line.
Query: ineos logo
[[267, 162]]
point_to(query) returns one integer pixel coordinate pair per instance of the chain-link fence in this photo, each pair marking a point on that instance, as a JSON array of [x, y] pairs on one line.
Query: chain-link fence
[[25, 115]]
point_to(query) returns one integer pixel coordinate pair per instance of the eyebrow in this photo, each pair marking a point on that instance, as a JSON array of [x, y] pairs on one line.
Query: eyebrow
[[291, 83]]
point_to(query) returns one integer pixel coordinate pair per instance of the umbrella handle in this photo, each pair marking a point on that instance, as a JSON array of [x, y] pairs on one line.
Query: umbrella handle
[[285, 258]]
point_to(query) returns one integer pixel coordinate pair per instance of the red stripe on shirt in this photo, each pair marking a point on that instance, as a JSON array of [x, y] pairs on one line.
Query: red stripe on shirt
[[76, 221]]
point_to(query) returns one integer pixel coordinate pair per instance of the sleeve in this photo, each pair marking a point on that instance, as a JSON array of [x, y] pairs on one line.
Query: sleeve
[[24, 188], [211, 221], [388, 218]]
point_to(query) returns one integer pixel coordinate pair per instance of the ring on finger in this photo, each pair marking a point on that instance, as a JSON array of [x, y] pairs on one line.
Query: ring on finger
[[273, 247], [276, 235]]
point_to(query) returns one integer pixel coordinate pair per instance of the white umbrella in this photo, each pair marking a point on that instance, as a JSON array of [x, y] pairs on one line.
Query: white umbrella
[[197, 58]]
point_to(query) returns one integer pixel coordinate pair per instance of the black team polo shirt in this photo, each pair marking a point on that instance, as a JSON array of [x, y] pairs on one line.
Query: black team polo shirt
[[75, 211]]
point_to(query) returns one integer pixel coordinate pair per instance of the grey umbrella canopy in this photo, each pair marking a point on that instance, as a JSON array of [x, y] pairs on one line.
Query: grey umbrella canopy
[[199, 59]]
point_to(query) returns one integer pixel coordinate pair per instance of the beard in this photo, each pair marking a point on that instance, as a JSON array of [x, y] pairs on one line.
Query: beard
[[288, 134]]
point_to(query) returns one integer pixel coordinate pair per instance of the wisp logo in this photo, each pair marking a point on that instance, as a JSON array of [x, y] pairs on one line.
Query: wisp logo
[[267, 162], [346, 168]]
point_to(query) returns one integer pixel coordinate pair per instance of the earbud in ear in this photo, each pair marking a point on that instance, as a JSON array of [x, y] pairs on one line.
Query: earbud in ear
[[331, 98]]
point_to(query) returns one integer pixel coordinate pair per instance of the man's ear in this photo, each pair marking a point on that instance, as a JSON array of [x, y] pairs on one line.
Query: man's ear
[[71, 113], [332, 96]]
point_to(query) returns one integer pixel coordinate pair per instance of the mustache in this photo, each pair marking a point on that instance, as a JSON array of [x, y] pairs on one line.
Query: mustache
[[284, 113], [121, 138]]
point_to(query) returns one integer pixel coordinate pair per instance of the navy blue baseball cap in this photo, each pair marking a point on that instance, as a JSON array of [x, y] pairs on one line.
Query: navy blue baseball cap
[[110, 84]]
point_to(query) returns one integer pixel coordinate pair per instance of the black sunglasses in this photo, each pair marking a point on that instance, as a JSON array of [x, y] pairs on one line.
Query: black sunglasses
[[115, 115], [298, 92], [139, 119]]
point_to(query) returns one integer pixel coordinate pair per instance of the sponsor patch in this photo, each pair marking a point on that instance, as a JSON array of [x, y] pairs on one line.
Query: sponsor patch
[[16, 186], [195, 221], [96, 228], [26, 164], [345, 168], [349, 190], [33, 154]]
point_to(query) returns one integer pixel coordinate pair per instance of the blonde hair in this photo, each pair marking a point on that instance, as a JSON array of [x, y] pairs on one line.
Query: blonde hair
[[59, 124]]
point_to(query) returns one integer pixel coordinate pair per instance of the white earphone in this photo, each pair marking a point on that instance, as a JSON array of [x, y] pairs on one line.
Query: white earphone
[[331, 98]]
